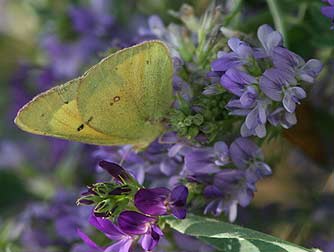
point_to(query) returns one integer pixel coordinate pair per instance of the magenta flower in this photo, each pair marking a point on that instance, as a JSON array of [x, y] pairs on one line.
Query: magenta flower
[[162, 201]]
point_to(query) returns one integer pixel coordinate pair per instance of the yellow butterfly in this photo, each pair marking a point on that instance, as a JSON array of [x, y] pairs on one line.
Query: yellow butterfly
[[121, 100]]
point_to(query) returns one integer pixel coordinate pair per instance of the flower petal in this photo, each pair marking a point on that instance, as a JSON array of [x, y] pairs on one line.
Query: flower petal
[[134, 223], [152, 201], [269, 38], [88, 241], [120, 246]]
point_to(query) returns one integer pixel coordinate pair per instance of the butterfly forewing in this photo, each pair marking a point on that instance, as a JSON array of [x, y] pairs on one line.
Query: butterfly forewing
[[127, 94]]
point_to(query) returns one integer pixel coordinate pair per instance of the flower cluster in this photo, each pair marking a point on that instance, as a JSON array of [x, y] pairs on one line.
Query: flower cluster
[[266, 82], [227, 174], [136, 210]]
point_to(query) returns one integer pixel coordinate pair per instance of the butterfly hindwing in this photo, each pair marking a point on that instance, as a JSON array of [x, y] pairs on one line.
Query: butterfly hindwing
[[55, 113]]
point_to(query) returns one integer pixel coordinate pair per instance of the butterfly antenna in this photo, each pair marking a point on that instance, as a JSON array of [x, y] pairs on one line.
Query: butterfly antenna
[[124, 156]]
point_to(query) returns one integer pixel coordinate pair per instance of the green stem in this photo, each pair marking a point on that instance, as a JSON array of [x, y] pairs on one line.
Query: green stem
[[234, 12], [278, 19]]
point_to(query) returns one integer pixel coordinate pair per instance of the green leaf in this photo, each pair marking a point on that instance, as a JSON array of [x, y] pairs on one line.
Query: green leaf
[[231, 238]]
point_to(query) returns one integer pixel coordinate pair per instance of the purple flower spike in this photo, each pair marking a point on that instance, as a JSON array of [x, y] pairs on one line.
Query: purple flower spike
[[116, 171], [161, 201]]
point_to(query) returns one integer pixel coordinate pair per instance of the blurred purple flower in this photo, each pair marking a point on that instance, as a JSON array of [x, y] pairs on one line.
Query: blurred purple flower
[[67, 59], [189, 244], [282, 117], [326, 245], [52, 224], [229, 188], [246, 155], [162, 201], [207, 160], [328, 11], [93, 20]]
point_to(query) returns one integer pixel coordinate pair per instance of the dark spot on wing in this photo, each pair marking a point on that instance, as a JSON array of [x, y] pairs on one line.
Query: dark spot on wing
[[66, 102], [147, 62], [116, 68], [115, 99], [89, 119], [42, 115], [81, 127]]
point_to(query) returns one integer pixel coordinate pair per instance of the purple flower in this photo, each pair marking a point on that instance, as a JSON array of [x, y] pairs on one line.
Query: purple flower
[[293, 63], [94, 20], [274, 81], [270, 39], [123, 240], [135, 223], [240, 54], [246, 155], [328, 11], [207, 160], [235, 81], [161, 201], [310, 70], [279, 85], [255, 123], [291, 98], [229, 188], [326, 244], [66, 60], [282, 117]]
